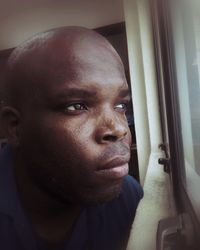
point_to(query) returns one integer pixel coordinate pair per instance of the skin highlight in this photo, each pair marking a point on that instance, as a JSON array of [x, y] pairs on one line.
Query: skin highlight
[[65, 104]]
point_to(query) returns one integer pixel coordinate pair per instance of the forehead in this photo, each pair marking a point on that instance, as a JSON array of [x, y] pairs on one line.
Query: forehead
[[89, 67]]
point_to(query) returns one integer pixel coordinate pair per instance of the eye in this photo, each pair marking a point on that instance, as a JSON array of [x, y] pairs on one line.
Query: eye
[[76, 106], [121, 107]]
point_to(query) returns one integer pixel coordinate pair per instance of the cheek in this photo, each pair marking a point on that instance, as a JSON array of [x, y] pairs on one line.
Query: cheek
[[72, 141]]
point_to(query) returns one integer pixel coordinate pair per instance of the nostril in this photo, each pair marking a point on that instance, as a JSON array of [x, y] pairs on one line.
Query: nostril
[[110, 138]]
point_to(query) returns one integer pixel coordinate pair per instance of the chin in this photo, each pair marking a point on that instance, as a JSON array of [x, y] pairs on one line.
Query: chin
[[100, 197], [90, 197]]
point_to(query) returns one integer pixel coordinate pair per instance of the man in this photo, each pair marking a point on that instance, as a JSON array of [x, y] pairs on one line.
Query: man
[[63, 177]]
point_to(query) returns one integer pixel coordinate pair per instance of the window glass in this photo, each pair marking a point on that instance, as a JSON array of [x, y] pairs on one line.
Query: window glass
[[186, 35]]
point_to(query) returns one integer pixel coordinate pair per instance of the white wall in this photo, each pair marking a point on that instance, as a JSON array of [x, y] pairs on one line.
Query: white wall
[[183, 88], [19, 19]]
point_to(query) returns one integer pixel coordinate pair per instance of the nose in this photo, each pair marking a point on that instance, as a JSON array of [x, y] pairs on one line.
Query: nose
[[111, 129]]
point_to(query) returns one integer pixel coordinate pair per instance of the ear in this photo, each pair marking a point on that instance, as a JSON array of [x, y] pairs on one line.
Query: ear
[[10, 122]]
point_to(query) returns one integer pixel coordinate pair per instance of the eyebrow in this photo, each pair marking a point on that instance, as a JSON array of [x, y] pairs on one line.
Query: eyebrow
[[88, 93], [74, 92], [125, 93]]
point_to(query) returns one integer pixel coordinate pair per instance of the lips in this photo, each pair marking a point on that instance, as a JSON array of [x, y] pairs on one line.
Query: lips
[[115, 168], [115, 162]]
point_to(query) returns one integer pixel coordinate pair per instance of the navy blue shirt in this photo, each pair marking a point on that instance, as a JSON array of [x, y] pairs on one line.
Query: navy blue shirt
[[102, 227]]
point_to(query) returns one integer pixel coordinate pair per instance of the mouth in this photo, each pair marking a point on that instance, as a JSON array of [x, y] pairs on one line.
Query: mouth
[[115, 168]]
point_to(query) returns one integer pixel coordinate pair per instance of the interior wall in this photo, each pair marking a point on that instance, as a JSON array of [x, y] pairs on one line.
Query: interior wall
[[21, 18]]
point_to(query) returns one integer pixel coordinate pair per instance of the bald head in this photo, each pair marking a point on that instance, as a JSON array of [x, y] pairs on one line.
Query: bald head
[[54, 56]]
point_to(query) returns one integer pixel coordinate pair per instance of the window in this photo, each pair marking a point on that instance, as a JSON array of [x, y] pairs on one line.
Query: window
[[186, 39]]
